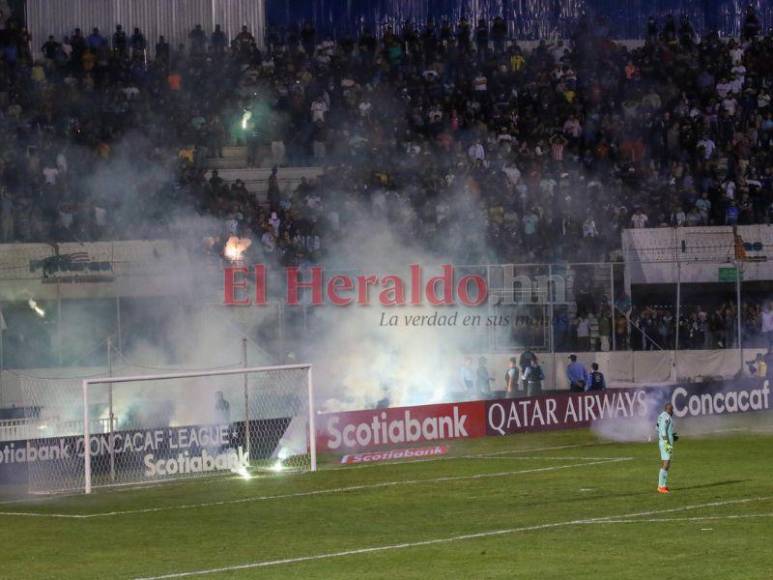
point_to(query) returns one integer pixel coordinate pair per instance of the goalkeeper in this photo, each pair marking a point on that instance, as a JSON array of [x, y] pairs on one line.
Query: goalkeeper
[[666, 438]]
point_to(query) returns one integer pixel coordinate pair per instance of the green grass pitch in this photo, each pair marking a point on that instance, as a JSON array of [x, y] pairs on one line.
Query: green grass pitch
[[563, 505]]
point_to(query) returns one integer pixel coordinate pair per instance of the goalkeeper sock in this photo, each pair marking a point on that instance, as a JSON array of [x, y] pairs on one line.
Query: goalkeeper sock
[[662, 478], [665, 478]]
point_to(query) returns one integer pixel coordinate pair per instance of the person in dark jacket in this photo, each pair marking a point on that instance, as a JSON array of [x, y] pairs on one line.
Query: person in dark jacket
[[597, 381], [533, 378], [524, 361]]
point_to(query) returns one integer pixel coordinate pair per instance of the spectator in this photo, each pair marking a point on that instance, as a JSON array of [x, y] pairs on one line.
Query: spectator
[[96, 41], [218, 41], [577, 375], [512, 378], [597, 381], [119, 41], [198, 40], [467, 376], [767, 323], [137, 43], [583, 333], [482, 379], [524, 362], [639, 219], [533, 378], [162, 51]]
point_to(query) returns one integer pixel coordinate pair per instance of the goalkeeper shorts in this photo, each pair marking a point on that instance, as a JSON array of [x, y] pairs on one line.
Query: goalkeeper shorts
[[665, 455]]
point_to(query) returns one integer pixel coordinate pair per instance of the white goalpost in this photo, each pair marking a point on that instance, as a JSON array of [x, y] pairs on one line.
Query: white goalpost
[[124, 430]]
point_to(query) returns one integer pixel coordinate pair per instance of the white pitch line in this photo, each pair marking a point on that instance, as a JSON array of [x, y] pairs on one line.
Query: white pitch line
[[435, 541], [46, 515], [335, 490], [692, 519], [687, 508]]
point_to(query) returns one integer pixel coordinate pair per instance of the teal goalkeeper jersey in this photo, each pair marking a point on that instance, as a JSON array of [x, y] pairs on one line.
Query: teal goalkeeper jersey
[[665, 428]]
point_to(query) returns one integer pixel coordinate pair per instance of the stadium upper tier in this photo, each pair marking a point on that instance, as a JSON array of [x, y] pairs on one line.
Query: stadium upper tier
[[464, 144]]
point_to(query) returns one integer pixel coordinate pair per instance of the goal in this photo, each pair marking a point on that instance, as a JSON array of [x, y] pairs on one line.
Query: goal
[[125, 430]]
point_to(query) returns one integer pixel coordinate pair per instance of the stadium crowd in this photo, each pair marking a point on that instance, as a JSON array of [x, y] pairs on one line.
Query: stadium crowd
[[654, 327], [548, 153]]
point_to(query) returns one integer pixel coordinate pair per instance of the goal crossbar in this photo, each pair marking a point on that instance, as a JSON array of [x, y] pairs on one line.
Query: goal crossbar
[[86, 383]]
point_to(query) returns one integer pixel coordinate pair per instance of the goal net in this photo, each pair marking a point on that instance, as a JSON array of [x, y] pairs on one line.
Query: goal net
[[151, 428]]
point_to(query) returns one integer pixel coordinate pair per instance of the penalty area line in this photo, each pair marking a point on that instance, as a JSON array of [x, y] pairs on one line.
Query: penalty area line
[[335, 490], [436, 541]]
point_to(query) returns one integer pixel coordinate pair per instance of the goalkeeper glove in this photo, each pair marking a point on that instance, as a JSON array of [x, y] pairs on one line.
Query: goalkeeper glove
[[676, 437], [668, 447]]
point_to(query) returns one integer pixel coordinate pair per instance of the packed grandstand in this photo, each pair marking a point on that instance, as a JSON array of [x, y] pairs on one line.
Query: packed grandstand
[[457, 135]]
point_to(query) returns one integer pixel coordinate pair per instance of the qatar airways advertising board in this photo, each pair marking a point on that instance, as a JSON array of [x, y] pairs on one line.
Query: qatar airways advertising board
[[380, 428]]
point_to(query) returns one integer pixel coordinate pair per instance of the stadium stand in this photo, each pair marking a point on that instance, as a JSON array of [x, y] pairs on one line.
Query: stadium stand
[[555, 149]]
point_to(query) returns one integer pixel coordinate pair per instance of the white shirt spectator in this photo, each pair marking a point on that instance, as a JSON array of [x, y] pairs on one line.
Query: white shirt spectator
[[513, 173], [704, 207], [639, 220], [274, 222], [729, 104], [767, 320], [708, 147], [729, 187], [589, 229], [572, 127], [100, 216], [61, 163], [736, 55], [583, 328], [50, 174], [476, 152], [130, 92], [678, 218], [318, 110], [66, 216], [365, 107], [724, 88]]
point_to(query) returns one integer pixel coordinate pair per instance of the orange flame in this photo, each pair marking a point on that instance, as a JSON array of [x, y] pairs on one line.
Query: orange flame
[[235, 247]]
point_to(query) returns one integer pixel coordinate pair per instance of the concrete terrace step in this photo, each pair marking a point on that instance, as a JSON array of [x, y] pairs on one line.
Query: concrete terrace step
[[233, 162], [235, 151], [256, 178]]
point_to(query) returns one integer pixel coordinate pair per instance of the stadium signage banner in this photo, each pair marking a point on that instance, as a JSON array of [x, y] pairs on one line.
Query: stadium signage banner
[[692, 402], [357, 430], [696, 254], [563, 411], [393, 454], [74, 267], [313, 286], [156, 453], [380, 428]]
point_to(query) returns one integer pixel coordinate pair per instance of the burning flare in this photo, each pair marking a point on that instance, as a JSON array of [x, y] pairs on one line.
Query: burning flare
[[246, 116], [235, 247], [38, 310]]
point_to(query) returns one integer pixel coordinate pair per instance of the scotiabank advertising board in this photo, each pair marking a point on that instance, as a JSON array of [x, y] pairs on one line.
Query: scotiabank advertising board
[[356, 430], [156, 453], [359, 430]]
